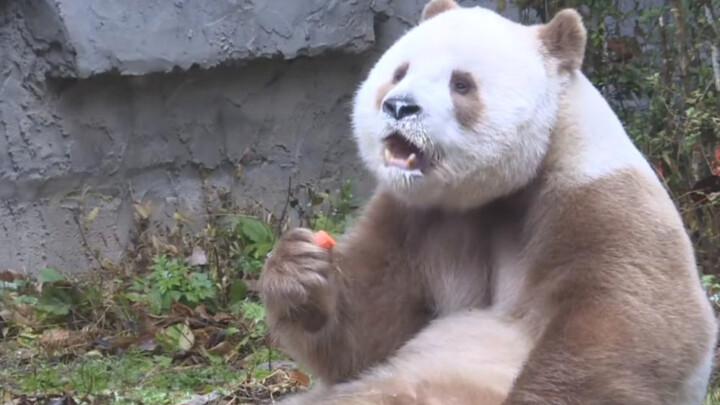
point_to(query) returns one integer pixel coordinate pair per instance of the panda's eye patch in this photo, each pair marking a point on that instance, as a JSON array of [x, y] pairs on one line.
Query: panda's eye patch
[[400, 72], [462, 82]]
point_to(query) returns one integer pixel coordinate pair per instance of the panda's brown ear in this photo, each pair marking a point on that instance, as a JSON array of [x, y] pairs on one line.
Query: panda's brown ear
[[435, 7], [564, 38]]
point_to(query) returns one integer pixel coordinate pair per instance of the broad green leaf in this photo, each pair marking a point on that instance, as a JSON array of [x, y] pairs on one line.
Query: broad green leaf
[[178, 337], [256, 230], [134, 297], [238, 291], [237, 307], [163, 361], [53, 306], [50, 275], [262, 249], [249, 249]]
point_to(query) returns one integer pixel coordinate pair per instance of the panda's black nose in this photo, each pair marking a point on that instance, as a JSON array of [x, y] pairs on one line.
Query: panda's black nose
[[401, 107]]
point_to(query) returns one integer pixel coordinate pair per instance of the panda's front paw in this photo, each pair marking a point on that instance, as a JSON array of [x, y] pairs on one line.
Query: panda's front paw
[[295, 283]]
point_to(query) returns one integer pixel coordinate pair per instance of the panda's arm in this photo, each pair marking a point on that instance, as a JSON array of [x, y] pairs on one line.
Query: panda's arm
[[339, 312]]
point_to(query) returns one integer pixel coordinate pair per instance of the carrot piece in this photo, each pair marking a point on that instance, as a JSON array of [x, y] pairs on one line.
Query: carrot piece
[[324, 240]]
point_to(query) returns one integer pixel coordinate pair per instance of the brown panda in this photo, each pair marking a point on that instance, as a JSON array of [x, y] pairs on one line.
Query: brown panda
[[518, 248]]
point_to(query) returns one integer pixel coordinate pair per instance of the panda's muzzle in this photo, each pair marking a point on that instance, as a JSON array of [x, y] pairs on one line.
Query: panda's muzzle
[[400, 107], [402, 153]]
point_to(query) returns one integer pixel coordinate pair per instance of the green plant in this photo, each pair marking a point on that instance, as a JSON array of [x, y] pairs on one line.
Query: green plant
[[176, 337], [338, 212], [171, 280], [254, 312], [52, 300], [712, 286], [253, 240], [180, 299], [56, 298], [132, 378]]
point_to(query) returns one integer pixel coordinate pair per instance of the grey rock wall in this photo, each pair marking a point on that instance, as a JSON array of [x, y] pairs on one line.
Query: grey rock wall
[[140, 36], [107, 102]]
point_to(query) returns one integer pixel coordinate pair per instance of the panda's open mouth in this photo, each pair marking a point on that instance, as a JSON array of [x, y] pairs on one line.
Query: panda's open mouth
[[402, 153]]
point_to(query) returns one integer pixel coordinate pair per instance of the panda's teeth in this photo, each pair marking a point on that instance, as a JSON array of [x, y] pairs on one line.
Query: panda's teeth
[[411, 161]]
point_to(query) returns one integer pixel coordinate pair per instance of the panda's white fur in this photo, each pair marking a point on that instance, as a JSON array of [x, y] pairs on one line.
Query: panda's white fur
[[520, 99], [600, 142], [563, 224]]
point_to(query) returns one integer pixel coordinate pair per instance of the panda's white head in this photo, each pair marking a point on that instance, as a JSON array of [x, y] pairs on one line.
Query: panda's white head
[[459, 111]]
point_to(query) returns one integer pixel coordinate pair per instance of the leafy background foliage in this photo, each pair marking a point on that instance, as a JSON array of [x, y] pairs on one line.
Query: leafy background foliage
[[179, 319], [658, 67]]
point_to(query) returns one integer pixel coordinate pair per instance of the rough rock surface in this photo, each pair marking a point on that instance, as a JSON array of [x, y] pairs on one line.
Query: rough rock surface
[[145, 36]]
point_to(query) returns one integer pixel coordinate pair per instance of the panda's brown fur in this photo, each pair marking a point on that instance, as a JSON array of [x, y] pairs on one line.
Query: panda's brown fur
[[434, 8]]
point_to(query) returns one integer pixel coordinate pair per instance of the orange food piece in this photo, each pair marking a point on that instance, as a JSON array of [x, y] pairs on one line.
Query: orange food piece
[[324, 240]]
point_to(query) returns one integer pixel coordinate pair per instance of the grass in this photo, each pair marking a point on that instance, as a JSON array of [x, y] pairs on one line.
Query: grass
[[128, 378], [135, 377]]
